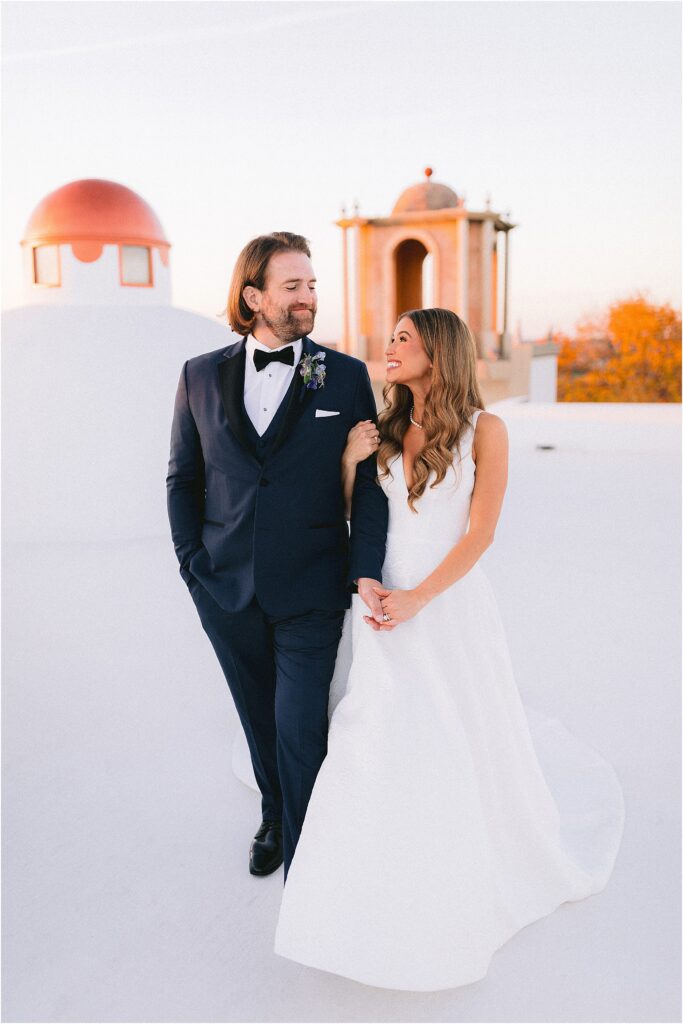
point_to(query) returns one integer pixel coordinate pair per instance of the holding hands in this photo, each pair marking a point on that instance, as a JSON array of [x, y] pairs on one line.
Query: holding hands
[[388, 607], [398, 605]]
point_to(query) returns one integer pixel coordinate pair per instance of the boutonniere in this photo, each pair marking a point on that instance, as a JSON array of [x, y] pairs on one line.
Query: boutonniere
[[312, 370]]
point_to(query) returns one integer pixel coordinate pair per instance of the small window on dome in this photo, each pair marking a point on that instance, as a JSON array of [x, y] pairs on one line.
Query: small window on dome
[[135, 265], [46, 264]]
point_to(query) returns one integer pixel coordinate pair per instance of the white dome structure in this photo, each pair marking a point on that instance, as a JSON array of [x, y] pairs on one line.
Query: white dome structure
[[89, 379], [95, 242]]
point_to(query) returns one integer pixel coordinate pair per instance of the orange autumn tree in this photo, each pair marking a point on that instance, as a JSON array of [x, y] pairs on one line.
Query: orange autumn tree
[[632, 354]]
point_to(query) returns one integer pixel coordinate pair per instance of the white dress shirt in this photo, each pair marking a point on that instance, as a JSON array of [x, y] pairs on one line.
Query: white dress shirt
[[264, 389]]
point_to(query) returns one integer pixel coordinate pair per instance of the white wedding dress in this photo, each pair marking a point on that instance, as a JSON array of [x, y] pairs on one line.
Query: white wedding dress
[[446, 815]]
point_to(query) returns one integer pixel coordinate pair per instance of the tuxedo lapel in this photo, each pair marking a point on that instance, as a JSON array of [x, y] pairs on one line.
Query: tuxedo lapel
[[231, 377], [299, 398]]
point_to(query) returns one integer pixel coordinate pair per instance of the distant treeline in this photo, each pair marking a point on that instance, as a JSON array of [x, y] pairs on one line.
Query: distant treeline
[[632, 354]]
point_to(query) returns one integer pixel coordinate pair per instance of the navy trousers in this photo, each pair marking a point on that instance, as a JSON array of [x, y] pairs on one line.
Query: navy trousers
[[279, 672]]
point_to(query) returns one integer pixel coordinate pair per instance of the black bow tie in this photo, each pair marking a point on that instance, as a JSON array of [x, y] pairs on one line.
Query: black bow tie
[[279, 355]]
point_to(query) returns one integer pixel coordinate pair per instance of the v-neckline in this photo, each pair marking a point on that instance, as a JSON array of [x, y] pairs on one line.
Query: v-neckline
[[403, 471], [403, 468]]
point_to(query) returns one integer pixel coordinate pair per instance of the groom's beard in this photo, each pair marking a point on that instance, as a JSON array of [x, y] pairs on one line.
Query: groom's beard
[[290, 324]]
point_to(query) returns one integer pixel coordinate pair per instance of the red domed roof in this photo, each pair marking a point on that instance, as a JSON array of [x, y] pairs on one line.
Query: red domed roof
[[94, 209], [428, 195]]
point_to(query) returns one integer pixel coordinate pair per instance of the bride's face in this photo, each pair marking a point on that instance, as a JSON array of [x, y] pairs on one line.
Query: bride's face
[[407, 361]]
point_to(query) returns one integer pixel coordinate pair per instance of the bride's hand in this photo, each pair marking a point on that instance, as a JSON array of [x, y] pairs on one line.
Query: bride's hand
[[362, 441], [401, 605]]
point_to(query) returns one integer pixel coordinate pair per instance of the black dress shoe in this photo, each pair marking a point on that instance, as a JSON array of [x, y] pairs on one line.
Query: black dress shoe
[[265, 852]]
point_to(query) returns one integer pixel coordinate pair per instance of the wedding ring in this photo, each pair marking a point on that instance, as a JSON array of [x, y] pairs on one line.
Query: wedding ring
[[386, 617]]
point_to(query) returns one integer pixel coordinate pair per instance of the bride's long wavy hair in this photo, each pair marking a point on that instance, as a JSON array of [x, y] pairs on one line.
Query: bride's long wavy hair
[[453, 397]]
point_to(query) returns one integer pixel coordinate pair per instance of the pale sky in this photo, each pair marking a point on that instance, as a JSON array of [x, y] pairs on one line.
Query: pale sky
[[233, 119]]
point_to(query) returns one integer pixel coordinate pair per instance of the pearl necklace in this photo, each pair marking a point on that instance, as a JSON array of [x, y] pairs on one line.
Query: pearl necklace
[[412, 420]]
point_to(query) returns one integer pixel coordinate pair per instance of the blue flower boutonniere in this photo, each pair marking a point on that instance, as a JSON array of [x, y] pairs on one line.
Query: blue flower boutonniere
[[312, 370]]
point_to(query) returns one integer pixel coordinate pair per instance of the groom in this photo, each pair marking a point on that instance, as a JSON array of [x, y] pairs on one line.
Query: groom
[[256, 508]]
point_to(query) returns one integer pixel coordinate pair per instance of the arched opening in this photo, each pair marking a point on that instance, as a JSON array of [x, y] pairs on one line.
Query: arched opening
[[428, 281], [414, 269]]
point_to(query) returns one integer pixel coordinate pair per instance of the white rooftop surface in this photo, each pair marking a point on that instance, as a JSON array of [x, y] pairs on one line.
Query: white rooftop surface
[[127, 895]]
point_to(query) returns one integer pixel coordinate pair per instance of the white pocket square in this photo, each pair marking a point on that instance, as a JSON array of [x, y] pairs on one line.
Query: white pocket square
[[326, 412]]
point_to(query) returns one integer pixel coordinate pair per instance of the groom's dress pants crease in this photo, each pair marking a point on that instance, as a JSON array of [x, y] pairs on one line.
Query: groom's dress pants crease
[[279, 672], [244, 649], [305, 654]]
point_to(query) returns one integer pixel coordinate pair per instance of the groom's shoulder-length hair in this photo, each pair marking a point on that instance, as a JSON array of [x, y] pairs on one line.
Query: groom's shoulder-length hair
[[250, 269]]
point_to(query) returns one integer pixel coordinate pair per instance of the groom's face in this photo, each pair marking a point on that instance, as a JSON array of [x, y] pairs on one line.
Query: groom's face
[[286, 306]]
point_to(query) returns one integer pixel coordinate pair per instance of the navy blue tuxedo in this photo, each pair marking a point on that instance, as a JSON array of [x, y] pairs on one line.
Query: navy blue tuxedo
[[269, 521], [259, 530]]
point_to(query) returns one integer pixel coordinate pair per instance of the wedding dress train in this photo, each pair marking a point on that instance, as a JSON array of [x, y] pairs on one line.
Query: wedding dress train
[[447, 815]]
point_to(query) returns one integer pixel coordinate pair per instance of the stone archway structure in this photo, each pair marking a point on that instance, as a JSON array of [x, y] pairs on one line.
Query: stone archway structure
[[383, 259], [403, 261]]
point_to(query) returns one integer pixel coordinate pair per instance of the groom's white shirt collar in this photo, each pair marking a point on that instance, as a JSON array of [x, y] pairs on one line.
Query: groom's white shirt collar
[[264, 392], [253, 343]]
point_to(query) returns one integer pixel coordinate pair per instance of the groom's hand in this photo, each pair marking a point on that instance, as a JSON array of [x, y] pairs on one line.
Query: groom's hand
[[366, 590]]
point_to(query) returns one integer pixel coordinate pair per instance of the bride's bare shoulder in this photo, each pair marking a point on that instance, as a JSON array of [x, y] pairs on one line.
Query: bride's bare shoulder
[[490, 434]]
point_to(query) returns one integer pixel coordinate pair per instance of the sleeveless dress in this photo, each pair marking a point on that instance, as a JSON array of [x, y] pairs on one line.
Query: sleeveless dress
[[446, 815]]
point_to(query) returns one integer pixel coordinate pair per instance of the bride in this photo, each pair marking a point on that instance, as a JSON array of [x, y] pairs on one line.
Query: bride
[[446, 815]]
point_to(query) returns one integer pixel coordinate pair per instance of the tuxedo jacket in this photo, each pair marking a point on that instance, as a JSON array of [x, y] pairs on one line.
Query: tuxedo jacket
[[265, 517]]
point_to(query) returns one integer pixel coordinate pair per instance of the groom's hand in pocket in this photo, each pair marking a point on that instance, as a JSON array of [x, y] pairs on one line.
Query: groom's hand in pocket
[[367, 591]]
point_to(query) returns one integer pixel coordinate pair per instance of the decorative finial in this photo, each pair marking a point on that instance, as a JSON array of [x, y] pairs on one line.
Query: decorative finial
[[343, 211], [428, 172], [488, 200], [355, 208]]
